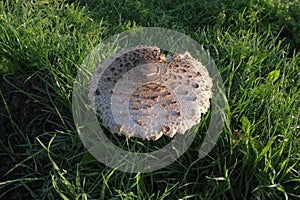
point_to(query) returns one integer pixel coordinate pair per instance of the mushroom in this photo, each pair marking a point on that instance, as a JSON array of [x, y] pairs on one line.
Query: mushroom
[[142, 93]]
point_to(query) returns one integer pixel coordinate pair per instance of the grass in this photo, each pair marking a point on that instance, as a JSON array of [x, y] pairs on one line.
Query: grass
[[255, 45]]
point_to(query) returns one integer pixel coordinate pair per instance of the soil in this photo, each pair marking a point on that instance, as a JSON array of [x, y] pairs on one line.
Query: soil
[[21, 118]]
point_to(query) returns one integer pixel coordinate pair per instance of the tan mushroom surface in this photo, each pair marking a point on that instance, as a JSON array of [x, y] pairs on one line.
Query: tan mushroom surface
[[141, 93]]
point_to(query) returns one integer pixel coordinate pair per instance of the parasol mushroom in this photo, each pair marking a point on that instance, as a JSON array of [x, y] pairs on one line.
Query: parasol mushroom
[[142, 93]]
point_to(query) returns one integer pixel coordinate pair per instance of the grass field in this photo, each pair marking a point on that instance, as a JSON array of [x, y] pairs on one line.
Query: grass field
[[255, 45]]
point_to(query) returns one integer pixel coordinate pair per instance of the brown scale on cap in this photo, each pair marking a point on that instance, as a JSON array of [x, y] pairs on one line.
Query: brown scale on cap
[[170, 97]]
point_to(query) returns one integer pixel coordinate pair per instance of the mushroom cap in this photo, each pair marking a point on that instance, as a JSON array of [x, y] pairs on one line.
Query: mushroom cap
[[141, 93]]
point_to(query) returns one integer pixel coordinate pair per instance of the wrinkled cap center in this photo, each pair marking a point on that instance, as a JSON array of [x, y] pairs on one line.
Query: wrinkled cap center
[[149, 69]]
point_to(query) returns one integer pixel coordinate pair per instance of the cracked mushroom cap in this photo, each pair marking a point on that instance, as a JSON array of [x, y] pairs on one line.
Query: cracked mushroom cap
[[141, 93]]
